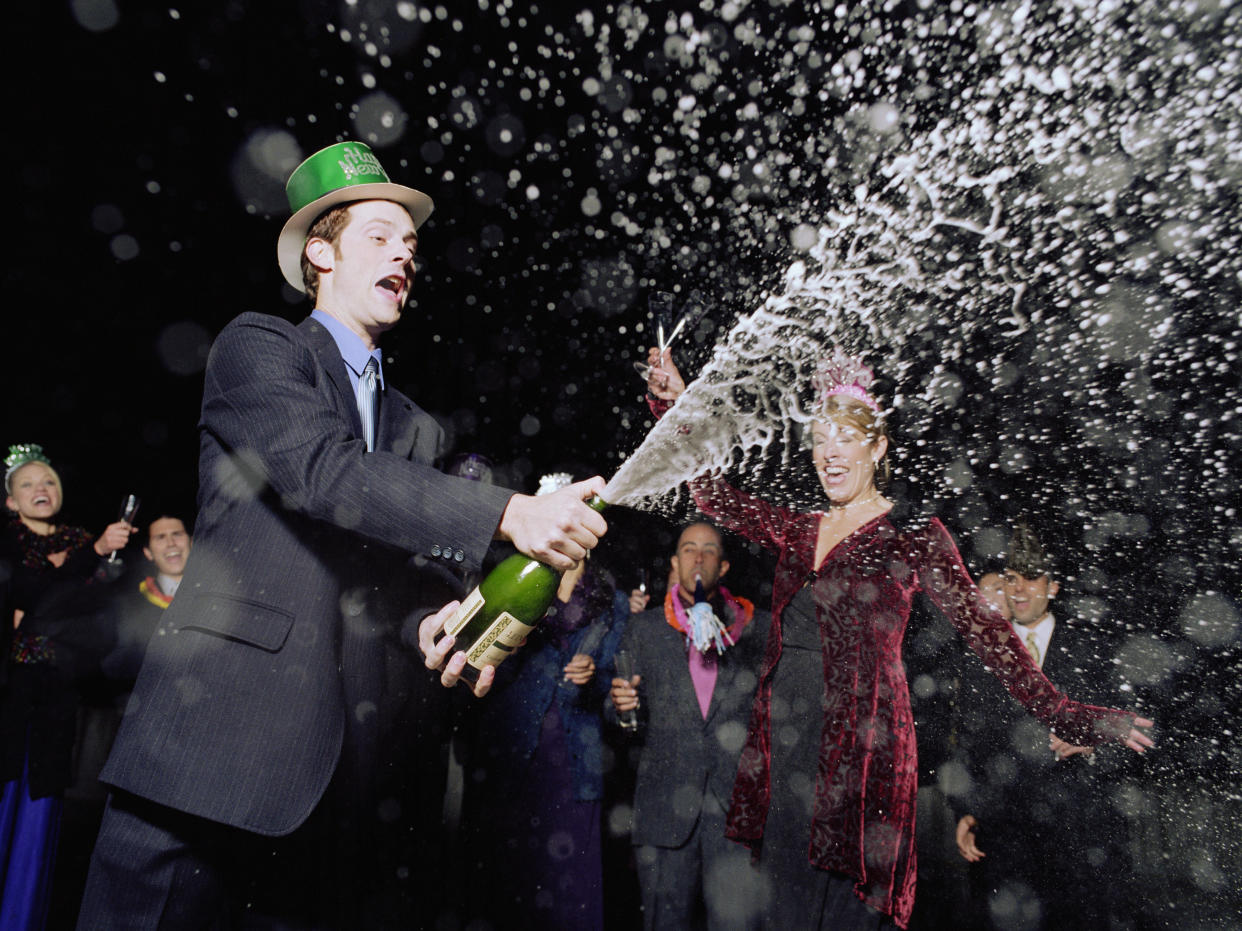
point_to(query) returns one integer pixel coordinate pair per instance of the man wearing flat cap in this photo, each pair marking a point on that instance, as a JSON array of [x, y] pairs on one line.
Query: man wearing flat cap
[[243, 771]]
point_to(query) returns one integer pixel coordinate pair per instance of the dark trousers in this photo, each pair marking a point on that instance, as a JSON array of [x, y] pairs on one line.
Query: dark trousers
[[1038, 879], [707, 882], [158, 868]]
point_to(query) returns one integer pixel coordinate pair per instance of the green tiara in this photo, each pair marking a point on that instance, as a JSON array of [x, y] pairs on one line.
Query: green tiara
[[21, 454]]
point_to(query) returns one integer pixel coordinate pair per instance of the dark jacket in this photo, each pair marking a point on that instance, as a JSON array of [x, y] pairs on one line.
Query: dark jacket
[[684, 756], [238, 714]]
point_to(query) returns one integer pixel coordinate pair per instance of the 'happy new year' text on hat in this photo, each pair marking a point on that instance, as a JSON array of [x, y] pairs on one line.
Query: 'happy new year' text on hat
[[338, 174]]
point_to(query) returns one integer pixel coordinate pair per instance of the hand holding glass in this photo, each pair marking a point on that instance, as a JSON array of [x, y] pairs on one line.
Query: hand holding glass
[[661, 307], [625, 670], [129, 511]]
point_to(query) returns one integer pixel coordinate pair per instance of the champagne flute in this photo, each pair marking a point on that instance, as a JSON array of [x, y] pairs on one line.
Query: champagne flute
[[129, 511], [660, 304], [625, 670], [660, 307]]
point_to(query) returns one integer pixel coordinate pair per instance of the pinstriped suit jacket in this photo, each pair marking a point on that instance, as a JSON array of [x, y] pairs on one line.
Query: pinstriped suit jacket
[[238, 713], [684, 756]]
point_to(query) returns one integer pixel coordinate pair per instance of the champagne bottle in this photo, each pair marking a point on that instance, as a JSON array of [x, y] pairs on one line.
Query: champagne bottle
[[505, 607]]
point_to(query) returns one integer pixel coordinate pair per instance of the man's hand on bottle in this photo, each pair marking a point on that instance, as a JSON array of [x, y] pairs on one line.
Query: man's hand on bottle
[[557, 528], [437, 653]]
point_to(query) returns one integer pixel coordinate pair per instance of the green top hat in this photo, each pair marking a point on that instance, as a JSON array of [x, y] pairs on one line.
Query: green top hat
[[339, 174]]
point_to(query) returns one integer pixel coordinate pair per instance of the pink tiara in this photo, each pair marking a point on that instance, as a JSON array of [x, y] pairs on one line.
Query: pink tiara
[[843, 374]]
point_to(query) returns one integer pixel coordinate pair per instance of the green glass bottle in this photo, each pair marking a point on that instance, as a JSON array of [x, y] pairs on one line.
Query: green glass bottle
[[497, 616]]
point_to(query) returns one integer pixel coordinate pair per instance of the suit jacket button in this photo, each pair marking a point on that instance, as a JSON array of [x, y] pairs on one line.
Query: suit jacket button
[[459, 556], [435, 550]]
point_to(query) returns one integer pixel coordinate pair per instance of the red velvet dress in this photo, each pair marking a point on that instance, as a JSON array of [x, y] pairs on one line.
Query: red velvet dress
[[862, 823]]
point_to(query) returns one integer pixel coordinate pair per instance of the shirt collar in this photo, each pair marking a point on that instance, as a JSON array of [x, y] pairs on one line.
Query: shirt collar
[[168, 585], [350, 345], [1042, 630]]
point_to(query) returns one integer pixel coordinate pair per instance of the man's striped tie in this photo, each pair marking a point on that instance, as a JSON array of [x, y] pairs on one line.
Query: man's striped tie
[[368, 401]]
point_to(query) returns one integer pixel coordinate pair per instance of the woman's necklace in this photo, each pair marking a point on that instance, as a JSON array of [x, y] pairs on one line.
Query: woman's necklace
[[874, 496]]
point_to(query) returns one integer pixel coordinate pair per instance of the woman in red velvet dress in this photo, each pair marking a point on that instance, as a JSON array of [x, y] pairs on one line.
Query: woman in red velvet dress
[[825, 790]]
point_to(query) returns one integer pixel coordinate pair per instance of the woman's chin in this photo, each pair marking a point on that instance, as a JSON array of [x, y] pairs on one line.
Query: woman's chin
[[836, 497]]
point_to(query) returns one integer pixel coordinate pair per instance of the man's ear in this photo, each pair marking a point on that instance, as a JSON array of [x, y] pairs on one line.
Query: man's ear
[[676, 565], [1053, 588], [146, 551], [724, 567], [321, 254]]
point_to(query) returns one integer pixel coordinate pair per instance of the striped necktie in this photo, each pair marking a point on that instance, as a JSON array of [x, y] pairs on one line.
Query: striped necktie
[[1033, 647], [368, 401]]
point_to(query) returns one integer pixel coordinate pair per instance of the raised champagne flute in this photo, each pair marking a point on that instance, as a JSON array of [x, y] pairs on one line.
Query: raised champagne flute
[[661, 310], [128, 512], [660, 305]]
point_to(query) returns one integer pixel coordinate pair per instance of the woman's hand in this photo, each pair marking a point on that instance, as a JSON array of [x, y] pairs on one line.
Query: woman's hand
[[115, 538], [1137, 740], [580, 669], [663, 379]]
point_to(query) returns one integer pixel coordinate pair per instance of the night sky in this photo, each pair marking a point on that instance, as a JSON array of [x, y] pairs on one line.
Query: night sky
[[145, 227]]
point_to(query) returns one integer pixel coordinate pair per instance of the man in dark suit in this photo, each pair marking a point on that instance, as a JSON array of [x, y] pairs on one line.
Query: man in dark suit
[[1035, 820], [693, 704], [244, 773], [123, 626]]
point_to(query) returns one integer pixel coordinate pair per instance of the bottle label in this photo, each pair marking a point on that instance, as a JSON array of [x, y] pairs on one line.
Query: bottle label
[[465, 611], [498, 641]]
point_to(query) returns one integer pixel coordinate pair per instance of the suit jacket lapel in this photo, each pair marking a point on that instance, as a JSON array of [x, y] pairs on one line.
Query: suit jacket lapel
[[681, 683], [395, 415], [725, 671], [329, 355]]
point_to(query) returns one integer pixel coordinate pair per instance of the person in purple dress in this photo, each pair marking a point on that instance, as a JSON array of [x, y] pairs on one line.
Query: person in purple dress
[[826, 786], [534, 781]]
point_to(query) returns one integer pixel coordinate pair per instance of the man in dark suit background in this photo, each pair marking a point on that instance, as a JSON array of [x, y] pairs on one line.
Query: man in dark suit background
[[1035, 822], [244, 773], [693, 707]]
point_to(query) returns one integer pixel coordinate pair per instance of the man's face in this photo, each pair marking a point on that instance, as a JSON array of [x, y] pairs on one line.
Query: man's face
[[35, 492], [699, 553], [1028, 598], [168, 547], [365, 279], [992, 588]]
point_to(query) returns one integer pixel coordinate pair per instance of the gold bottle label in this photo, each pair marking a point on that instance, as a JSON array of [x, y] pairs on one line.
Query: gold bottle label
[[498, 641], [465, 611]]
